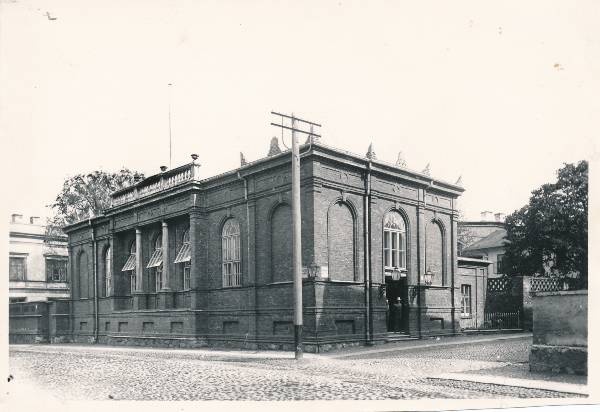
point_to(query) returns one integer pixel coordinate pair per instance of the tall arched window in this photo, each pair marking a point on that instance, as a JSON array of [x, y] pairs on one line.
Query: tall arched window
[[107, 272], [232, 261], [340, 242], [155, 263], [184, 256], [281, 244], [130, 267], [434, 252], [394, 242]]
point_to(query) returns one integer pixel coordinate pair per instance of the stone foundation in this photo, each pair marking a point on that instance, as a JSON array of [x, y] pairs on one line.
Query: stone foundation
[[559, 332], [558, 359]]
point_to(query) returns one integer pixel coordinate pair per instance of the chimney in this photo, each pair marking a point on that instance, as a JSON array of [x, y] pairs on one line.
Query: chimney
[[500, 217], [34, 220], [16, 218], [486, 216]]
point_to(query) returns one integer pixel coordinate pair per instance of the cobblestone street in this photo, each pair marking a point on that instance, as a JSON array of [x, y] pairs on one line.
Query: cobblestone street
[[71, 372]]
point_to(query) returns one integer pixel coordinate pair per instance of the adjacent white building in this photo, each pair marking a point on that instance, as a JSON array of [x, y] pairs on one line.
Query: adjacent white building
[[37, 262], [485, 239]]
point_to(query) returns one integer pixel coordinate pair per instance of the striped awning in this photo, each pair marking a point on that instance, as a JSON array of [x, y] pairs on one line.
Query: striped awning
[[130, 264], [184, 254], [156, 259]]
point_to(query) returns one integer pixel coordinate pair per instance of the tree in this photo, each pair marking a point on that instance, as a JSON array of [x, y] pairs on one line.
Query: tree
[[548, 236], [464, 236], [86, 195]]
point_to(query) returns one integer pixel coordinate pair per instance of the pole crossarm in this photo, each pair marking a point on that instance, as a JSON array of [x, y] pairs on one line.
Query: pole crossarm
[[295, 130], [295, 118]]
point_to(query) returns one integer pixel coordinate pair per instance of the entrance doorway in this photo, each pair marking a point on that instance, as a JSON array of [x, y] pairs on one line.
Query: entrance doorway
[[396, 292]]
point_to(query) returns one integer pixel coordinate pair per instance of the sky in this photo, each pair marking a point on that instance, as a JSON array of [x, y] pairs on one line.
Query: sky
[[500, 93]]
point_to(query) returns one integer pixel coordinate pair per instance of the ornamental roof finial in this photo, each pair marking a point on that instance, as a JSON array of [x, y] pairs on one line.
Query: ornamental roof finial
[[274, 148], [371, 152], [459, 181], [400, 160], [427, 170], [242, 160]]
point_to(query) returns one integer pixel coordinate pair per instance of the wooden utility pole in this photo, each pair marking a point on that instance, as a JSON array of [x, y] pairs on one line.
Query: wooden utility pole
[[296, 227], [170, 139]]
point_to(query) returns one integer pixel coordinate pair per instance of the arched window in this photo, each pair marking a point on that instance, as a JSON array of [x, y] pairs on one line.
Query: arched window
[[184, 256], [281, 244], [434, 252], [232, 262], [394, 242], [155, 263], [130, 267], [107, 272], [340, 242]]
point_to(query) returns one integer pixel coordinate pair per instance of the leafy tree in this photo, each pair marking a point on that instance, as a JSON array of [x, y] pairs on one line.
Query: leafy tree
[[86, 195], [464, 235], [549, 235]]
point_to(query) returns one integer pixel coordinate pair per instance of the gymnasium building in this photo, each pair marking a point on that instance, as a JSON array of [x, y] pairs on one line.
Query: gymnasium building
[[181, 259]]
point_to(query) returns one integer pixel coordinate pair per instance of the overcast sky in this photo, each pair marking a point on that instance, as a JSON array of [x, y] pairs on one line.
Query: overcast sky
[[501, 93]]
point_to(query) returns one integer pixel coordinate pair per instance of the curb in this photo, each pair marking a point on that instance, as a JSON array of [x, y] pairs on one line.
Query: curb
[[516, 382]]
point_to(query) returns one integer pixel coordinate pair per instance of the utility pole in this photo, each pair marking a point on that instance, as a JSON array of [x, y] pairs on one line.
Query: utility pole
[[170, 144], [296, 227]]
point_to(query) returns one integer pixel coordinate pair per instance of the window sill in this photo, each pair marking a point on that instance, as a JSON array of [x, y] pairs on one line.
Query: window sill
[[466, 316], [390, 270]]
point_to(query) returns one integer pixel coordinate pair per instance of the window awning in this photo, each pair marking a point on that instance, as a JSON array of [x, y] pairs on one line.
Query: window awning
[[130, 264], [156, 259], [184, 254]]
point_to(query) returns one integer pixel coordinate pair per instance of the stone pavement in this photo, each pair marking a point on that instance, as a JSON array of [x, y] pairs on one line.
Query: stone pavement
[[387, 372]]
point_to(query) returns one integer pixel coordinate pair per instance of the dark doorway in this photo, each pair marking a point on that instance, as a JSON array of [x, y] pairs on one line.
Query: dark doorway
[[396, 292]]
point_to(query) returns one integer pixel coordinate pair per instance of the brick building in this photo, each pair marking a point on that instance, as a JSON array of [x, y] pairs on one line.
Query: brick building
[[183, 260]]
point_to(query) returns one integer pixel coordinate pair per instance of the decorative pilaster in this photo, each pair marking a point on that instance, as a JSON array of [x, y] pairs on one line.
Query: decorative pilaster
[[421, 264], [198, 263], [166, 258], [111, 249], [165, 295], [453, 264], [250, 279], [139, 298]]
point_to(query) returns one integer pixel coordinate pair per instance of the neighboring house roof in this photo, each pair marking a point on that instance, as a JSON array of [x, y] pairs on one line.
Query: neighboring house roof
[[494, 239], [464, 260]]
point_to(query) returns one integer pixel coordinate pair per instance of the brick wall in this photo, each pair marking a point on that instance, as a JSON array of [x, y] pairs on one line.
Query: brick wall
[[281, 244], [434, 252], [341, 242], [333, 220]]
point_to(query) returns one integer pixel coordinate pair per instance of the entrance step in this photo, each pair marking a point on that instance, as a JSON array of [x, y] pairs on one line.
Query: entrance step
[[398, 336]]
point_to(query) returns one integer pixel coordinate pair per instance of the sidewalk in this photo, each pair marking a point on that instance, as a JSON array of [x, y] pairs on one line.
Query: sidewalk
[[423, 343], [202, 353], [199, 353], [506, 374], [518, 375]]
